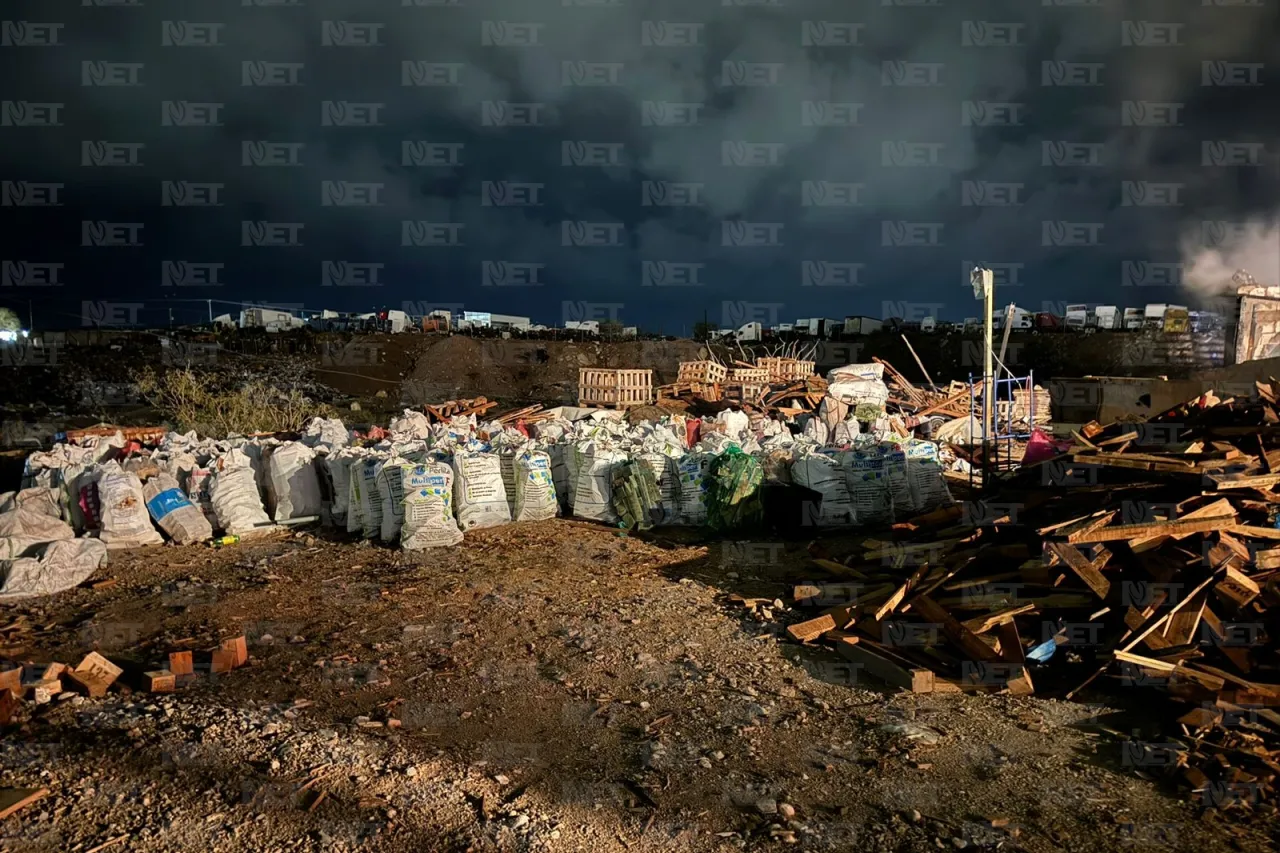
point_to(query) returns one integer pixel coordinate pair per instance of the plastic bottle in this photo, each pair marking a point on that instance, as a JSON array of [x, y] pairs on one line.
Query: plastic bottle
[[229, 539]]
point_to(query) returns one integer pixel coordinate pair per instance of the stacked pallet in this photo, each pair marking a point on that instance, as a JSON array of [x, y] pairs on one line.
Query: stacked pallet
[[702, 373], [786, 369], [1146, 558]]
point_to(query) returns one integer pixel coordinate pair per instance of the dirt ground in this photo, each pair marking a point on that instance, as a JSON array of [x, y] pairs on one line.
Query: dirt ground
[[554, 686]]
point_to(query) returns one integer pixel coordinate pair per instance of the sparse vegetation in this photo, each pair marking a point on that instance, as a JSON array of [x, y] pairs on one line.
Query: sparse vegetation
[[192, 401], [9, 321]]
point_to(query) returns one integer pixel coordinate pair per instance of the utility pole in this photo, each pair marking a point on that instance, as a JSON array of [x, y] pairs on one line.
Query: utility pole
[[984, 288]]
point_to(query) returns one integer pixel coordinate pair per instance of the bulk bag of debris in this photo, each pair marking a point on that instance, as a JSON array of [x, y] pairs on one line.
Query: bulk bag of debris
[[411, 426], [506, 453], [428, 507], [634, 494], [864, 468], [666, 473], [326, 432], [389, 481], [871, 370], [692, 468], [59, 566], [924, 476], [44, 499], [560, 478], [733, 491], [593, 483], [233, 489], [736, 424], [257, 451], [895, 471], [832, 412], [66, 468], [355, 515], [24, 528], [173, 512], [336, 468], [823, 473], [861, 386], [293, 488], [365, 495], [815, 429], [571, 461], [480, 497], [196, 486], [535, 490], [123, 521]]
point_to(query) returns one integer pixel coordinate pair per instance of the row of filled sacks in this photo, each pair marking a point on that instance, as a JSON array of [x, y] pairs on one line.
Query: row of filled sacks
[[873, 484], [876, 483], [424, 498]]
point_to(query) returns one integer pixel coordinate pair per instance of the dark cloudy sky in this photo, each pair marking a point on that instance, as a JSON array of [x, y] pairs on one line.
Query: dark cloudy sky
[[751, 159]]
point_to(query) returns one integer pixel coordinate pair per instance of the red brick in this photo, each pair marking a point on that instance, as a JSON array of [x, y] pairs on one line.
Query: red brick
[[239, 648], [159, 681], [180, 663], [222, 661]]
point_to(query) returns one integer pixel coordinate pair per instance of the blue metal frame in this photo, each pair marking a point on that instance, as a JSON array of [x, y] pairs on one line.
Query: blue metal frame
[[1011, 384]]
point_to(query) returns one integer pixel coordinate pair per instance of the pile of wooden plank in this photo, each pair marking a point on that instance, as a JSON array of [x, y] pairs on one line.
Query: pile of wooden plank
[[442, 412], [1145, 562], [528, 414], [795, 397]]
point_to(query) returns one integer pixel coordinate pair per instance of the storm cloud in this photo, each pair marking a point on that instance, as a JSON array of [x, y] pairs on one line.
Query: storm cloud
[[861, 152]]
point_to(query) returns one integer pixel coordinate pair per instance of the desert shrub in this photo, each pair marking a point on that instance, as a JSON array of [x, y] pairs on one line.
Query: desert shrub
[[194, 401]]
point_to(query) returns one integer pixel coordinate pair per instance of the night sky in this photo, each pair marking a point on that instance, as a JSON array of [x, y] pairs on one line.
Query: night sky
[[644, 161]]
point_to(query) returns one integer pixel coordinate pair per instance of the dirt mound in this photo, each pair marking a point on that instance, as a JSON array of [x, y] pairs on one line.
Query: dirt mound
[[516, 371]]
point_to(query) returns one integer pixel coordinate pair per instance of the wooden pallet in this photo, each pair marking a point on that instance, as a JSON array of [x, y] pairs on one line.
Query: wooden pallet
[[600, 386]]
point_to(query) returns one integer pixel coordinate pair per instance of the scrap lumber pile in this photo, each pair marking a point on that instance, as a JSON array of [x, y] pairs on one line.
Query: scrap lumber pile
[[797, 396], [1145, 561], [528, 414], [442, 412]]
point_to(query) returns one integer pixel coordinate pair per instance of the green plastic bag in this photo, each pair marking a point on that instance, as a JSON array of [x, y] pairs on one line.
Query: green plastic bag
[[733, 492], [636, 498]]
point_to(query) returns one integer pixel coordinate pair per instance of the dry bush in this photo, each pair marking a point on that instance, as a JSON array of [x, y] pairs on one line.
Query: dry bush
[[192, 401]]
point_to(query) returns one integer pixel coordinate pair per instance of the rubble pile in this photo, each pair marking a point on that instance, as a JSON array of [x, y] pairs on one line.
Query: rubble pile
[[1147, 556]]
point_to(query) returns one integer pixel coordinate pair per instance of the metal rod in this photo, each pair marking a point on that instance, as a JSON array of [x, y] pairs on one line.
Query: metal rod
[[919, 363]]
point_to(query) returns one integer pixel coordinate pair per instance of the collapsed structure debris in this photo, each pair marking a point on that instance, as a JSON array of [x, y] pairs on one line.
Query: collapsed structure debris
[[1145, 556]]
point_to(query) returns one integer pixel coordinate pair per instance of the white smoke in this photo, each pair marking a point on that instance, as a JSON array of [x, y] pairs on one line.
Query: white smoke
[[1209, 263]]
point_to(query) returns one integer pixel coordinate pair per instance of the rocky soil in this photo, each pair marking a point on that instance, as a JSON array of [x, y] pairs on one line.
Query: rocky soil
[[542, 687]]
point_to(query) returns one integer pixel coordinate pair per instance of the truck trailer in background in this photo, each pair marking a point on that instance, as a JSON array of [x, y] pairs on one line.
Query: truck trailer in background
[[860, 325], [1105, 317]]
